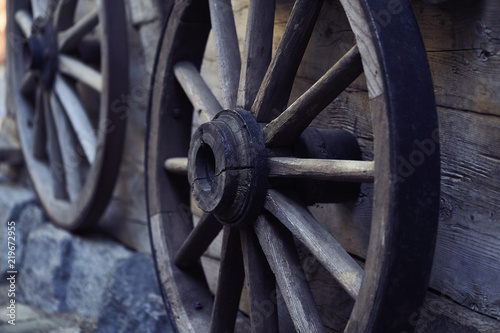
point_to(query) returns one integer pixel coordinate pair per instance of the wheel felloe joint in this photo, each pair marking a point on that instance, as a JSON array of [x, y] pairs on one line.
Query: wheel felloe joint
[[227, 167]]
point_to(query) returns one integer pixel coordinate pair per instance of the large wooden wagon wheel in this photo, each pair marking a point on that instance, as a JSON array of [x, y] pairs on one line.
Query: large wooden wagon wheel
[[235, 163], [67, 68]]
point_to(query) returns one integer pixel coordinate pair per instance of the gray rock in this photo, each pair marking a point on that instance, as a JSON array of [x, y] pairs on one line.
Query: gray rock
[[93, 264], [132, 301], [48, 258], [62, 272], [27, 217]]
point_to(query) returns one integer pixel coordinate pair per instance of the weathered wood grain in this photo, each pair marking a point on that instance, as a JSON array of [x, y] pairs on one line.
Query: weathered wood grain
[[69, 38], [275, 90], [294, 120], [204, 102], [462, 41], [80, 72], [339, 170], [279, 248]]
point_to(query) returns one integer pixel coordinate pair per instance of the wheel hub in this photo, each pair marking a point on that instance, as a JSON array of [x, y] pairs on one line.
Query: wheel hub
[[228, 167], [40, 52]]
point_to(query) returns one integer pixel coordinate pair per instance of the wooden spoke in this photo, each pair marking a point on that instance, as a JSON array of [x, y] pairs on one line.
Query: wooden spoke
[[279, 248], [288, 125], [258, 50], [260, 284], [69, 38], [203, 100], [25, 22], [274, 92], [198, 241], [56, 163], [68, 146], [229, 284], [36, 8], [77, 117], [321, 244], [177, 165], [65, 14], [81, 72], [40, 130], [28, 84], [333, 170], [228, 52]]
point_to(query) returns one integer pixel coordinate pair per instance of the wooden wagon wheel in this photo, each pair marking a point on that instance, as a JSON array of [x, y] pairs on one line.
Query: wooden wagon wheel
[[251, 138], [67, 66]]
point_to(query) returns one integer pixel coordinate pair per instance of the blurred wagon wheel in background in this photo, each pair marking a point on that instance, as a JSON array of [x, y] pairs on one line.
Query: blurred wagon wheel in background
[[256, 165], [67, 64]]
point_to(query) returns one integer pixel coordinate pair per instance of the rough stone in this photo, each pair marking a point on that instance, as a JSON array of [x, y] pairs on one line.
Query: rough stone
[[63, 272], [26, 217], [43, 281], [132, 302], [93, 263]]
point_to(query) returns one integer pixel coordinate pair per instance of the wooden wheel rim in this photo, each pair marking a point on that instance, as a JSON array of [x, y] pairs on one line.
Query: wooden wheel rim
[[83, 211], [403, 111]]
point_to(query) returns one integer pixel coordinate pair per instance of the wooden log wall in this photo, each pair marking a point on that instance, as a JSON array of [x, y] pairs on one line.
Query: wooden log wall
[[462, 40]]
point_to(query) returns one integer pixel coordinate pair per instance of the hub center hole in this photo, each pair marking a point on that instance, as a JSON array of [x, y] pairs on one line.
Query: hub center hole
[[205, 166]]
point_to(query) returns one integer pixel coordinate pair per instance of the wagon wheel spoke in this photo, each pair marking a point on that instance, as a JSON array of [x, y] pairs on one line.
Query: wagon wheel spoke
[[37, 8], [28, 84], [65, 14], [40, 130], [229, 284], [295, 119], [322, 169], [322, 245], [228, 52], [25, 22], [68, 144], [276, 87], [198, 241], [77, 116], [54, 151], [258, 50], [177, 165], [260, 283], [279, 249], [70, 38], [196, 89], [81, 72]]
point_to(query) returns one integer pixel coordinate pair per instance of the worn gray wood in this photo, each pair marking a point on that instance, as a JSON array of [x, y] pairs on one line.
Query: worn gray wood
[[72, 162], [28, 84], [40, 127], [198, 241], [274, 92], [229, 284], [204, 102], [69, 38], [324, 247], [339, 170], [25, 22], [258, 50], [261, 284], [228, 51], [77, 116], [294, 120], [54, 152], [178, 165], [279, 248], [80, 72]]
